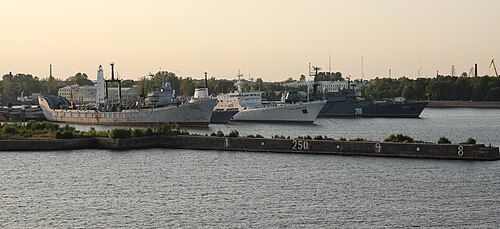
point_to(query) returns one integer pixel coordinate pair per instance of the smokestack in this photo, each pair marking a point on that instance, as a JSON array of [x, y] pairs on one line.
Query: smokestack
[[50, 74], [112, 71], [206, 80], [475, 70]]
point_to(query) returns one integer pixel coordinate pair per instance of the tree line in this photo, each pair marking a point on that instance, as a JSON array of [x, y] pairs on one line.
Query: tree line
[[461, 88], [11, 85]]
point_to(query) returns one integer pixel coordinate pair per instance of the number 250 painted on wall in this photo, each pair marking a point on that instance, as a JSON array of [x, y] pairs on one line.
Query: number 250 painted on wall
[[300, 145]]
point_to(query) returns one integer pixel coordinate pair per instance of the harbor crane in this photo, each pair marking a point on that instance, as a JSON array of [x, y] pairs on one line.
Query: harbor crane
[[494, 67]]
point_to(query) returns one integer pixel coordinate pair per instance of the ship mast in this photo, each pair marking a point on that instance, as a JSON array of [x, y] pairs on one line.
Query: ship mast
[[307, 81], [239, 83], [113, 80]]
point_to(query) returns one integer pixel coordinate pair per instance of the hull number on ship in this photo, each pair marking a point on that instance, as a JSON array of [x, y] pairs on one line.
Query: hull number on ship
[[300, 145]]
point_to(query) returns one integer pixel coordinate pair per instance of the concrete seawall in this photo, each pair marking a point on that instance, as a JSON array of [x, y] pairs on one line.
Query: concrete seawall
[[413, 150], [48, 144]]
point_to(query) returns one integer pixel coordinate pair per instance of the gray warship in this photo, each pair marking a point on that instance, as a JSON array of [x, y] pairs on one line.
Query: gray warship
[[347, 102]]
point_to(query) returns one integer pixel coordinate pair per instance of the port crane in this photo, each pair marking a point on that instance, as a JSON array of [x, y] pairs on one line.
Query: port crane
[[494, 67]]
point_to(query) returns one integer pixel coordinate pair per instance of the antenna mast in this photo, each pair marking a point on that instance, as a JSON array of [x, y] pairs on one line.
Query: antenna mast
[[238, 84]]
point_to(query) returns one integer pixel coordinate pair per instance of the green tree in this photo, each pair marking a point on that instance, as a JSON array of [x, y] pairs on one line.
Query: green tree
[[186, 86], [52, 86], [329, 76], [80, 79], [13, 85], [409, 92]]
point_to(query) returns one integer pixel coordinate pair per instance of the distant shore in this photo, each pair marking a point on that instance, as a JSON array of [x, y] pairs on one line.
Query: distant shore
[[464, 104]]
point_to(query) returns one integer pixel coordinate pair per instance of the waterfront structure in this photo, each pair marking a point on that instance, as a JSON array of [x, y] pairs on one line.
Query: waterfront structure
[[78, 94], [88, 94], [463, 151], [328, 86]]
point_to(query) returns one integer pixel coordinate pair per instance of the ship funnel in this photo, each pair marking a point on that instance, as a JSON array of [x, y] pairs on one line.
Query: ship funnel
[[475, 70], [112, 70], [206, 80]]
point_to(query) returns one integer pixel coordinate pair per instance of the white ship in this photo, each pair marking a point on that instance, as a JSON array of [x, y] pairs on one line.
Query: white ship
[[250, 108], [197, 113]]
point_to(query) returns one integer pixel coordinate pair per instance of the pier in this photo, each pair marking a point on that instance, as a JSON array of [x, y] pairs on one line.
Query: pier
[[478, 152]]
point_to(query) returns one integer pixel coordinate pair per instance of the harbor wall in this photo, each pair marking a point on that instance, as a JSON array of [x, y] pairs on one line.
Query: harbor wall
[[48, 144], [383, 149]]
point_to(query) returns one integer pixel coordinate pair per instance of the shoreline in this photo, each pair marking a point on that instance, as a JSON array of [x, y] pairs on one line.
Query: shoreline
[[478, 152], [464, 104]]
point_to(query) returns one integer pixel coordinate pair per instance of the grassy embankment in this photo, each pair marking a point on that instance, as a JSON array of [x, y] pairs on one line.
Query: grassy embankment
[[49, 130]]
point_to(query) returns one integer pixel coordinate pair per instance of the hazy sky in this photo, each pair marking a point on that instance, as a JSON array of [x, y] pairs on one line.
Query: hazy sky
[[265, 38]]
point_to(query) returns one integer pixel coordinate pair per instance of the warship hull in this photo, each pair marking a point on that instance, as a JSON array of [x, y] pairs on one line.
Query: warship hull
[[222, 116], [372, 109], [191, 114], [297, 112]]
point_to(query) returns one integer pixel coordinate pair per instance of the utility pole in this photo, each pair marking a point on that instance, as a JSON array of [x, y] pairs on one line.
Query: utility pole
[[329, 65], [420, 69], [362, 68]]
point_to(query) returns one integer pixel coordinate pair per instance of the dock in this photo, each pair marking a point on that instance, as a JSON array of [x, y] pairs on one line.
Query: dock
[[479, 152]]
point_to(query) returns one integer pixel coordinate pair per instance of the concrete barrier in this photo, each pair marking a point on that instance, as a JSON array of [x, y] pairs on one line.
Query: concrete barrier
[[384, 149]]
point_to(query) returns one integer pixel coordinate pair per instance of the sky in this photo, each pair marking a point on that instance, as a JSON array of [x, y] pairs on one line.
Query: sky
[[270, 39]]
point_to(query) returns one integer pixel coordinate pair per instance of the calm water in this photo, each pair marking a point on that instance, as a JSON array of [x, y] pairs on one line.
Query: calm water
[[455, 124], [184, 188]]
